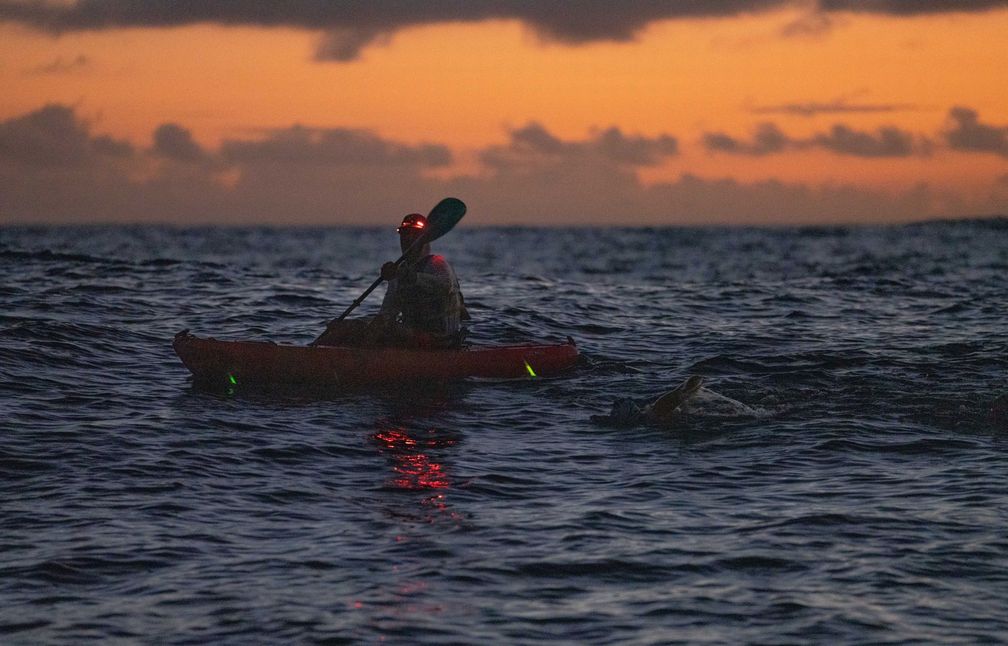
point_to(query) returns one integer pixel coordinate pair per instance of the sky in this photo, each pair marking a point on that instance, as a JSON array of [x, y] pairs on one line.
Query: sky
[[676, 112]]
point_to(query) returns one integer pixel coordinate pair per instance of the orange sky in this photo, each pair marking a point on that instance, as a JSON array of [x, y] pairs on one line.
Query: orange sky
[[468, 86]]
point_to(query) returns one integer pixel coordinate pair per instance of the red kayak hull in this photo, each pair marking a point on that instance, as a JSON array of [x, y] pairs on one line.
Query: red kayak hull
[[264, 362]]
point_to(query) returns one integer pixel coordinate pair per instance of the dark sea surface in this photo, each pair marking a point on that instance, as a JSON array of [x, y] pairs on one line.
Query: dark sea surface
[[841, 480]]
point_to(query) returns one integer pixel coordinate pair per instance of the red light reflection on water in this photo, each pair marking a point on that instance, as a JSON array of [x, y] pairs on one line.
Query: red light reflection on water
[[415, 470]]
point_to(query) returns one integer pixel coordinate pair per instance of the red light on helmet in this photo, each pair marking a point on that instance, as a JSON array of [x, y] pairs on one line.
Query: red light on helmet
[[412, 222]]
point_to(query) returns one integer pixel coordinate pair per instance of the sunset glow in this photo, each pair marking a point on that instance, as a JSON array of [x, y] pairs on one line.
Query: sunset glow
[[724, 118]]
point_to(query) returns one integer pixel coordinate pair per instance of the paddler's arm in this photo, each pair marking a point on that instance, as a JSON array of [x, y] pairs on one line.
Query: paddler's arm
[[390, 304], [400, 279]]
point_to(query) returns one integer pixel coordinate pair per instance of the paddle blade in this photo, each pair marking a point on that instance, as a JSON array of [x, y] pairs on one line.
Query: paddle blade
[[444, 217]]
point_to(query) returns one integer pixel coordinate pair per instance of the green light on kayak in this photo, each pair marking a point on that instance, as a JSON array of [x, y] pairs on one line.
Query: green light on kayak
[[234, 382], [530, 370]]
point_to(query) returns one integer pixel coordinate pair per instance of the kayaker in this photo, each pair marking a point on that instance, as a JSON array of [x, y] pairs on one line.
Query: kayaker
[[423, 305], [423, 292]]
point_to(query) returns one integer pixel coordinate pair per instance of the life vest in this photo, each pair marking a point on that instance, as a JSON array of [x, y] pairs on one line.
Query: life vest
[[433, 304]]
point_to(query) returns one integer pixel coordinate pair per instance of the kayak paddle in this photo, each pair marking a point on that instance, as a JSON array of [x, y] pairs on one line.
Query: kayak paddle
[[442, 219]]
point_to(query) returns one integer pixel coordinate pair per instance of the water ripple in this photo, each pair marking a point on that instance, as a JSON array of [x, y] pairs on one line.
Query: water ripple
[[840, 481]]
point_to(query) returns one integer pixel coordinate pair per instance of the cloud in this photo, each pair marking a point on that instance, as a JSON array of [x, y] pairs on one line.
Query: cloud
[[352, 25], [767, 139], [589, 20], [175, 142], [587, 194], [533, 147], [600, 20], [911, 7], [336, 146], [344, 45], [838, 106], [108, 147], [967, 134], [821, 16], [811, 24], [772, 201], [887, 141], [964, 132], [636, 150], [60, 67], [53, 136], [54, 168]]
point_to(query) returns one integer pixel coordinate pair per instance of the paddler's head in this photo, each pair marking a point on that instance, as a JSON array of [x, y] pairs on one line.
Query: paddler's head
[[413, 226]]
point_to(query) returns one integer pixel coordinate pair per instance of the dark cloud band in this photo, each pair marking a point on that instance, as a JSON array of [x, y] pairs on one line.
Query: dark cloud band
[[585, 20], [911, 7], [967, 134], [813, 108], [841, 139], [53, 167], [534, 146], [333, 146], [351, 25], [53, 137]]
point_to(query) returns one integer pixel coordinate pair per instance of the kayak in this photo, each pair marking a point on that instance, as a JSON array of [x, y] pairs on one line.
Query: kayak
[[266, 363]]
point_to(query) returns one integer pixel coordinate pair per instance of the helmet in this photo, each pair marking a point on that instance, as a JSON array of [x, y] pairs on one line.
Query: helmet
[[414, 222]]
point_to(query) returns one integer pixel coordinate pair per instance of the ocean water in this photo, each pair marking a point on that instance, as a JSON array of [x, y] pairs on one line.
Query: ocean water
[[841, 480]]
